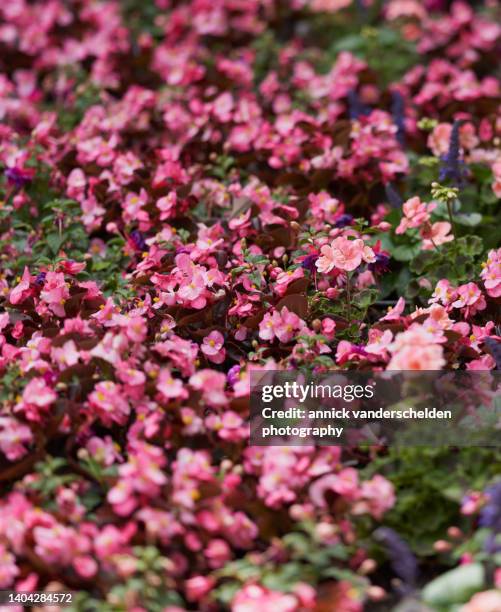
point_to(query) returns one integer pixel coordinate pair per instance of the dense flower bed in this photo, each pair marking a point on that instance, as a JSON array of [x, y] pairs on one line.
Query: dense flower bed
[[195, 190]]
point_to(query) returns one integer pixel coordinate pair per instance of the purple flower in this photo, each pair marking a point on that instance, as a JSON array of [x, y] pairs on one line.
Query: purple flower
[[452, 167], [18, 177], [138, 240], [393, 196], [403, 561], [344, 220], [490, 517], [233, 375], [398, 113], [494, 347], [308, 262], [381, 264], [40, 279], [357, 108]]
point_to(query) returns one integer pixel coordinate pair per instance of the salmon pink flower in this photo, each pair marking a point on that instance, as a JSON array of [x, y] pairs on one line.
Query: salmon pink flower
[[255, 597], [416, 349], [283, 325], [470, 298], [436, 234], [416, 213], [491, 273], [344, 254]]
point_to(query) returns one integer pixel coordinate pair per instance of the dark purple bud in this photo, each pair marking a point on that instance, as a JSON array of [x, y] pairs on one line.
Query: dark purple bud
[[452, 167], [18, 177], [40, 279], [138, 240], [233, 375], [398, 113], [357, 108], [490, 517], [393, 196], [308, 262], [382, 263], [494, 347], [403, 561], [344, 220]]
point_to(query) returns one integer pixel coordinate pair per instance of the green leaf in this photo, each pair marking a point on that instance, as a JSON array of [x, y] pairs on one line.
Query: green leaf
[[54, 241], [406, 252], [468, 219], [456, 586]]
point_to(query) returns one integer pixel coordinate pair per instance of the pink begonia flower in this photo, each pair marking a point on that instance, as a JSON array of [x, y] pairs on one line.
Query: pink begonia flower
[[379, 342], [471, 298], [377, 497], [444, 292], [103, 450], [76, 184], [394, 312], [345, 483], [284, 279], [66, 355], [85, 566], [14, 435], [439, 139], [166, 205], [486, 362], [21, 291], [38, 393], [436, 235], [198, 587], [55, 292], [8, 568], [170, 387], [217, 552], [344, 254], [211, 384], [283, 325], [416, 213], [491, 273], [212, 347], [416, 349], [109, 404], [252, 597], [485, 601], [143, 475], [58, 544], [496, 185]]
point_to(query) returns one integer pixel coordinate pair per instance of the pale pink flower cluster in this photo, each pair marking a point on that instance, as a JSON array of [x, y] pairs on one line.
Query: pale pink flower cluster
[[344, 254], [142, 476], [283, 325], [491, 273], [416, 349], [374, 496], [485, 601], [254, 597], [14, 436], [283, 471], [109, 404], [496, 170]]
